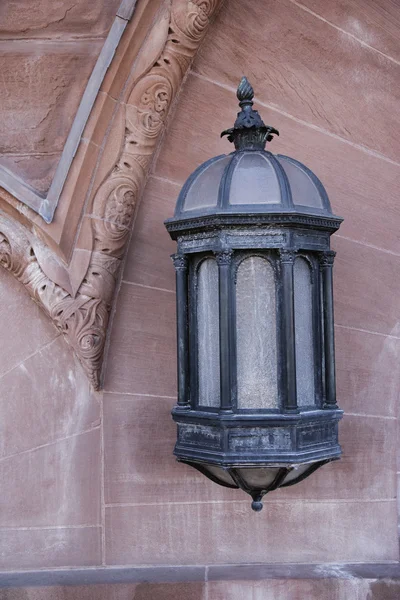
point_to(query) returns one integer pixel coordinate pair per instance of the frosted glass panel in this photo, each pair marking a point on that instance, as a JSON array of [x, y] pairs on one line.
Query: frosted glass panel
[[220, 473], [203, 192], [208, 333], [297, 471], [256, 334], [304, 333], [304, 191], [259, 478], [254, 181]]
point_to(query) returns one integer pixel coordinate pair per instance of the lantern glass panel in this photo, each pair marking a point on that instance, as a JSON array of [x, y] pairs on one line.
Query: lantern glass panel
[[203, 193], [259, 478], [220, 473], [254, 181], [303, 310], [256, 334], [297, 472], [304, 191], [208, 333]]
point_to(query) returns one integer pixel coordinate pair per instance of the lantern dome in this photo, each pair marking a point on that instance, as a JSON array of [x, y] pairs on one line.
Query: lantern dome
[[254, 181]]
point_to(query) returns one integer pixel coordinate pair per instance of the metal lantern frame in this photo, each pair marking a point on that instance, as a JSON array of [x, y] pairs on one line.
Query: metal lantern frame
[[224, 442]]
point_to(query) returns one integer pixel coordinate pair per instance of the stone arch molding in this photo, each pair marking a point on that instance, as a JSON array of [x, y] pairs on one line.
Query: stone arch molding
[[78, 297]]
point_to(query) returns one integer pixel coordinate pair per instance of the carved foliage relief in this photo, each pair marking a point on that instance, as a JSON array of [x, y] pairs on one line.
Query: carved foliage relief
[[81, 310]]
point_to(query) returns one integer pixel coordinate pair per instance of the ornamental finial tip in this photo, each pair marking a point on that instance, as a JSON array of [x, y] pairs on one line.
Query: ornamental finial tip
[[249, 131], [245, 92]]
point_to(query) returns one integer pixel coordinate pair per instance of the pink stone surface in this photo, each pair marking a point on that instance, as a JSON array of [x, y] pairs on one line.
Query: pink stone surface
[[367, 368], [334, 101], [35, 123], [193, 533], [139, 436], [48, 51], [56, 18], [375, 23], [295, 589], [366, 288], [24, 328], [149, 261], [52, 393], [307, 68], [49, 466], [133, 591], [57, 484], [38, 169], [53, 547], [143, 339]]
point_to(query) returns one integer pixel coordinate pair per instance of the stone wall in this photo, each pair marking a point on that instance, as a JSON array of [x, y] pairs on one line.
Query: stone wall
[[332, 97], [50, 501], [88, 479], [278, 589]]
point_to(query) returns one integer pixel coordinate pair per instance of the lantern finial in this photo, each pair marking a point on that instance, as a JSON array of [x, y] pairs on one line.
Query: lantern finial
[[245, 92], [249, 131]]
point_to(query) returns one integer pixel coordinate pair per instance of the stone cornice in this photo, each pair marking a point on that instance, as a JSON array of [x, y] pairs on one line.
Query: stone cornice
[[80, 305], [184, 573]]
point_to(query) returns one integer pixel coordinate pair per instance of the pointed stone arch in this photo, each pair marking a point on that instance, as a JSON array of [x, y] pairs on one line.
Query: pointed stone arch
[[71, 267]]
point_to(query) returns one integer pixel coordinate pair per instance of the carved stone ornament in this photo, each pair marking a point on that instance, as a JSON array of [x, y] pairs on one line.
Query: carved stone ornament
[[81, 310]]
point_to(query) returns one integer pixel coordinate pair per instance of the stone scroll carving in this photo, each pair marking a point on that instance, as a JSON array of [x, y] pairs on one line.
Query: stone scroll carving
[[82, 314], [82, 319]]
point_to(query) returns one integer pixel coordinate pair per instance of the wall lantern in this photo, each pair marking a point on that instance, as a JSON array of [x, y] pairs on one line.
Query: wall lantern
[[256, 369]]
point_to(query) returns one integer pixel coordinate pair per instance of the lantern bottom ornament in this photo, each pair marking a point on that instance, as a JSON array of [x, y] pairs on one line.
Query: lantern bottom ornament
[[258, 481]]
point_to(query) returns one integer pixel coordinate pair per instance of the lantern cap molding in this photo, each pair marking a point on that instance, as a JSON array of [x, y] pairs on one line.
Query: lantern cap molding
[[275, 185]]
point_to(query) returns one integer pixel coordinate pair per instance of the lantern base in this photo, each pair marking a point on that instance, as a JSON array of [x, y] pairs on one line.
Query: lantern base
[[257, 439], [257, 452]]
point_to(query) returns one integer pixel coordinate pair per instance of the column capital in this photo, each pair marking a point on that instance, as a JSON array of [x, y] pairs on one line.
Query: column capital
[[287, 256], [224, 257], [327, 258], [180, 261]]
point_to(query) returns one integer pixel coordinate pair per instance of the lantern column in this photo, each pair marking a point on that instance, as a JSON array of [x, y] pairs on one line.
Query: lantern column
[[288, 334], [224, 261], [326, 265], [181, 268]]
